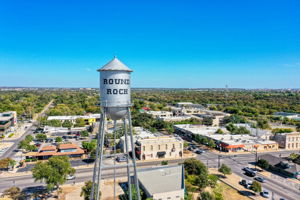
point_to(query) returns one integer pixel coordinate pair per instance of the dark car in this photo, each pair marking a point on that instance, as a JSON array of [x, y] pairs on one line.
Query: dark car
[[246, 193], [121, 159], [243, 182], [199, 151], [260, 179], [250, 173]]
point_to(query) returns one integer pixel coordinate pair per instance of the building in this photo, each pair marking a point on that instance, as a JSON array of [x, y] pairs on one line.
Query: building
[[163, 183], [89, 119], [289, 141], [150, 146], [260, 133], [226, 142], [240, 143], [7, 120], [294, 116], [188, 131], [175, 118], [282, 166], [70, 150], [159, 147], [160, 114]]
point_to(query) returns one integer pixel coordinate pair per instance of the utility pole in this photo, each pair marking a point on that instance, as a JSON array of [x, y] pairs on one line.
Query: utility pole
[[219, 163]]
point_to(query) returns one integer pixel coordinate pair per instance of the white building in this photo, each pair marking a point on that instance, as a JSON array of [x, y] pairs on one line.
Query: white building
[[163, 183], [159, 114], [151, 146]]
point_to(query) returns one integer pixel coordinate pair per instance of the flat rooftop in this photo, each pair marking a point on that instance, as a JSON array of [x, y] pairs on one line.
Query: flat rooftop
[[162, 179]]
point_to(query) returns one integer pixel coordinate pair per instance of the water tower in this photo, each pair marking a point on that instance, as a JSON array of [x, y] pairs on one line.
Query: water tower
[[115, 102]]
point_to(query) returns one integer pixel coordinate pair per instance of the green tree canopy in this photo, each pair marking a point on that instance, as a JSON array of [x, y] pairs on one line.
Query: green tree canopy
[[41, 137], [263, 164], [58, 139], [225, 169], [53, 172], [67, 124], [256, 187], [79, 122]]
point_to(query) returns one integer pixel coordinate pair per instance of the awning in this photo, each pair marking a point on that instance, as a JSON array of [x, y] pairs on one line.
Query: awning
[[235, 146], [161, 153]]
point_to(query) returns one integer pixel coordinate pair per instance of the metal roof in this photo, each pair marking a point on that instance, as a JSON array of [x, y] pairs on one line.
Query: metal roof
[[115, 65], [162, 179]]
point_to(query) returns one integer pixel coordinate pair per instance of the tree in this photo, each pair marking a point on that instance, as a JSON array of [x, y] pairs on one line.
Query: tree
[[41, 137], [219, 131], [79, 122], [29, 138], [212, 180], [211, 143], [30, 148], [206, 196], [263, 164], [5, 163], [256, 187], [58, 139], [208, 121], [263, 123], [197, 171], [53, 172], [225, 170], [164, 162], [23, 144], [67, 124], [86, 190], [89, 146], [13, 192], [84, 133]]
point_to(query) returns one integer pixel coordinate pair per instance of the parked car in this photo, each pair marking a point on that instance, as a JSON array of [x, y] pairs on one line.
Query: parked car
[[243, 182], [265, 194], [246, 168], [199, 151], [260, 179], [246, 193], [121, 159], [70, 177], [250, 173]]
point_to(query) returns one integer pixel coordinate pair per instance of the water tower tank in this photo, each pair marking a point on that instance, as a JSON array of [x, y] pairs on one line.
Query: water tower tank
[[115, 88]]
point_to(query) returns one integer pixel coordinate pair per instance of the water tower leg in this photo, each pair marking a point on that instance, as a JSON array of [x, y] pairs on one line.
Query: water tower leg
[[115, 146], [127, 159], [99, 154], [96, 164], [133, 155]]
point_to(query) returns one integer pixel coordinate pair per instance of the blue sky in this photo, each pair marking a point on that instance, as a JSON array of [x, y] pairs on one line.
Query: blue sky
[[195, 44]]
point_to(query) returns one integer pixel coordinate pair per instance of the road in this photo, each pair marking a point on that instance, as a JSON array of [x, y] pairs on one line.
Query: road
[[83, 174], [10, 151], [276, 188]]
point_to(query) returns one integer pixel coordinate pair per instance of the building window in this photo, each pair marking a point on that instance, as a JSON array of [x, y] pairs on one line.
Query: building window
[[151, 147], [166, 147], [180, 145], [288, 146], [143, 148], [173, 146], [158, 147]]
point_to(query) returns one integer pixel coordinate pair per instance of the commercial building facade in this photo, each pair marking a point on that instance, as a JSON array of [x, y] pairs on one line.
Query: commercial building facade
[[44, 153], [288, 141], [7, 119], [159, 147], [89, 119]]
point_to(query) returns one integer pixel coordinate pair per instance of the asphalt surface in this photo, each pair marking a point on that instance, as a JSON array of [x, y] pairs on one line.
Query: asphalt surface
[[276, 188]]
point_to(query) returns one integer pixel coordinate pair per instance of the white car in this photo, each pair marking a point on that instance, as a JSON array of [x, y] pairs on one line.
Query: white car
[[70, 177], [265, 194]]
